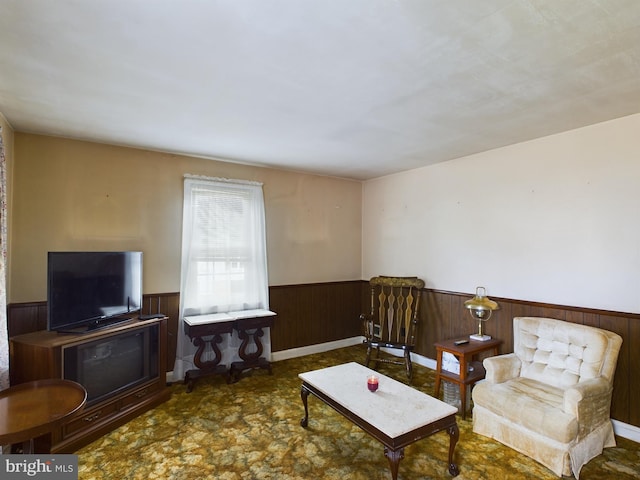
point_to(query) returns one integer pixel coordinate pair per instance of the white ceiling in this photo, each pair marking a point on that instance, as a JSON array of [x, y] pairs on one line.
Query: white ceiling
[[350, 88]]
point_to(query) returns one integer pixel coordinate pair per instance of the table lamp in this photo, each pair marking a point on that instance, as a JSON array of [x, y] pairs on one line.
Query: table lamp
[[480, 308]]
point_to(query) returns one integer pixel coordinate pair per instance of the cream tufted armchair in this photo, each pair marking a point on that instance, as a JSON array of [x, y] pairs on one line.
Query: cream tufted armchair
[[551, 398]]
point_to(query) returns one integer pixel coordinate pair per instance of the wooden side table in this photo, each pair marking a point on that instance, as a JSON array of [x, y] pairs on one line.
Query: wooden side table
[[30, 411], [467, 356]]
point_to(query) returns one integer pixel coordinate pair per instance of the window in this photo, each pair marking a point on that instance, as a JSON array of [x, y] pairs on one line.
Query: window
[[224, 261]]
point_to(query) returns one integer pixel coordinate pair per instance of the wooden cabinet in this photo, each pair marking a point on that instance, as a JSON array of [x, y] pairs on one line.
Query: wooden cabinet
[[42, 354]]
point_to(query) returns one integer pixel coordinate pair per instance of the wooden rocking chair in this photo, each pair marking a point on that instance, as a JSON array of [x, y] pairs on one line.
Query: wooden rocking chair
[[391, 323]]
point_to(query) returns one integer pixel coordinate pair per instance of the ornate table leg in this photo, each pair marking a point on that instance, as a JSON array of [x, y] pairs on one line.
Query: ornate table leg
[[454, 434], [201, 344], [394, 457], [205, 367], [253, 359], [255, 336], [304, 394]]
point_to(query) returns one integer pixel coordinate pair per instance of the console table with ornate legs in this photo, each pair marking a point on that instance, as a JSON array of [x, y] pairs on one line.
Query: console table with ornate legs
[[248, 323]]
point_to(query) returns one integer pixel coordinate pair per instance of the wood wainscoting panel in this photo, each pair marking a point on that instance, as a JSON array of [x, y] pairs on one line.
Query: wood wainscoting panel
[[633, 344], [622, 382], [310, 314], [292, 303], [436, 307], [26, 318], [169, 305]]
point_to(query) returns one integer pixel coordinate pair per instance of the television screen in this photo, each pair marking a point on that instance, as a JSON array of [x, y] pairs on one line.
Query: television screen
[[87, 288], [114, 363]]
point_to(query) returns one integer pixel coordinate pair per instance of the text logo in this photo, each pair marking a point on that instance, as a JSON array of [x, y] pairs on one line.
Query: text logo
[[52, 467]]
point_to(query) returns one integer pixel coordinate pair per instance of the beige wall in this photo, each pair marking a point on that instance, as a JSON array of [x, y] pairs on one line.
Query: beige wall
[[8, 141], [554, 220], [74, 195], [551, 220]]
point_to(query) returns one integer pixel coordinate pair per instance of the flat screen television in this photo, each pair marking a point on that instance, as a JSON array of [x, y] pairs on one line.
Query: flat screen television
[[90, 290]]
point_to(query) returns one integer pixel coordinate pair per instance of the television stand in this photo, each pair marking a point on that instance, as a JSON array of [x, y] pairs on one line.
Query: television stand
[[96, 325], [40, 355]]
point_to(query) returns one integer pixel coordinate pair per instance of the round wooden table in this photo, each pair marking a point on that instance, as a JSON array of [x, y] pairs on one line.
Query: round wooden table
[[30, 411]]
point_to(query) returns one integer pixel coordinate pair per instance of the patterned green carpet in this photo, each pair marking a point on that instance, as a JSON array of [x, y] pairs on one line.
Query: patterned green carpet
[[251, 430]]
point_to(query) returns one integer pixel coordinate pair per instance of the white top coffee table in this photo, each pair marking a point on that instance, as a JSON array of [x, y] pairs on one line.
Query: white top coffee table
[[396, 415]]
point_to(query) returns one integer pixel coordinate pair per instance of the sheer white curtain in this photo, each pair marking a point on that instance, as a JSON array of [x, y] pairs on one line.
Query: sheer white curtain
[[4, 340], [224, 256]]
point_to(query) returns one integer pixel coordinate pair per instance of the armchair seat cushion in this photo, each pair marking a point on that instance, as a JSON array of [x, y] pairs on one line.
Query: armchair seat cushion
[[542, 403]]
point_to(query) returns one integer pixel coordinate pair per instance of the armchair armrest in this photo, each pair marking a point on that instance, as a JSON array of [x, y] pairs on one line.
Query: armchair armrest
[[589, 401], [502, 368]]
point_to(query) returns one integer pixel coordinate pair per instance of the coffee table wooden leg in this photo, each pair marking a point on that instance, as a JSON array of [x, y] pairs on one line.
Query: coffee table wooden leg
[[394, 457], [304, 393], [454, 434]]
